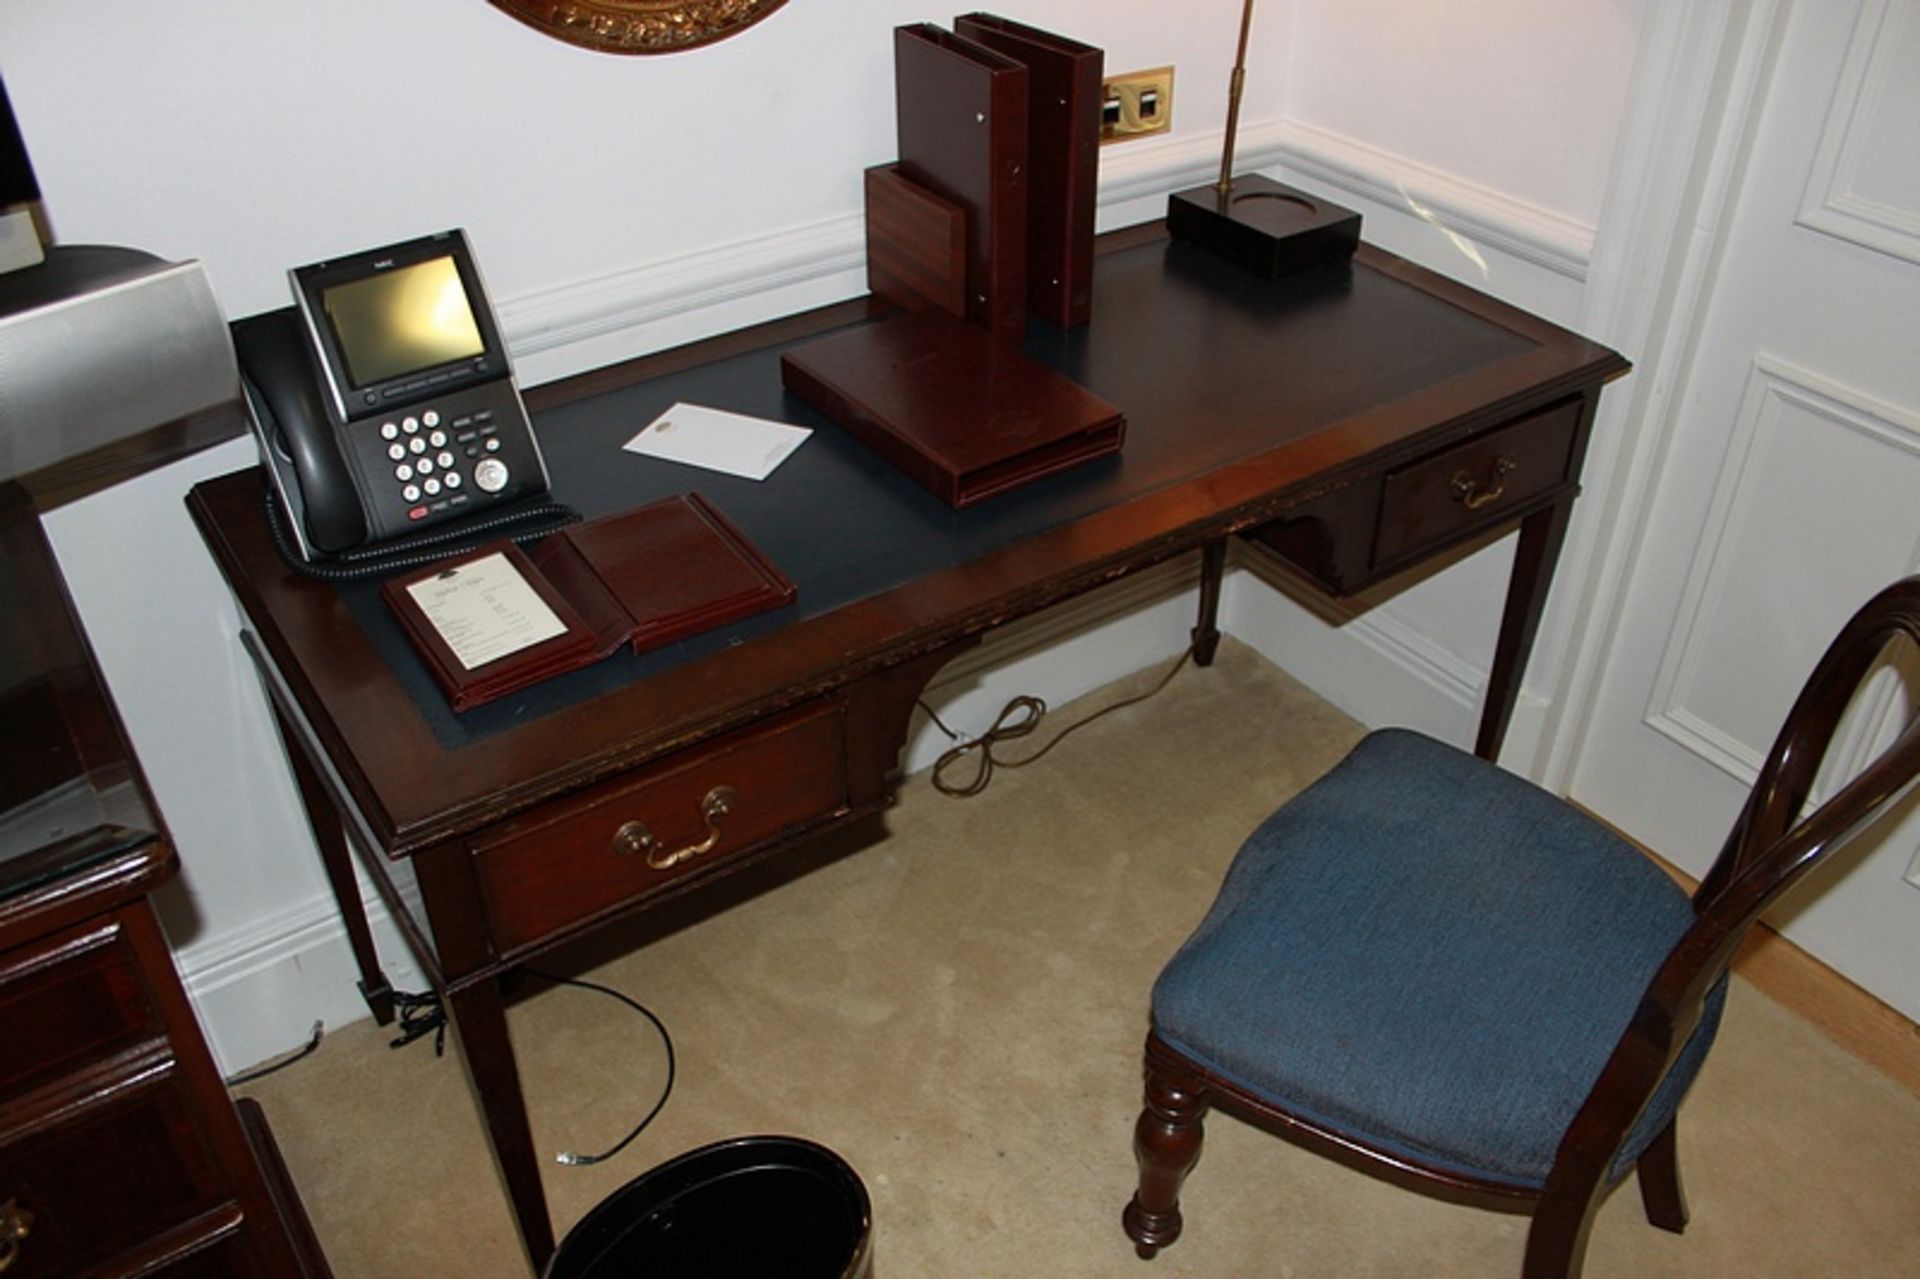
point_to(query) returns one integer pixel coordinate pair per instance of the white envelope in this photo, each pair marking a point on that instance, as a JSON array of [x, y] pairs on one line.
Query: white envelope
[[749, 447]]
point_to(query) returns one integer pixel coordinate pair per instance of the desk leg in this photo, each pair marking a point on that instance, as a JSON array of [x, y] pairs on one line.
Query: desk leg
[[1541, 535], [1206, 633], [331, 836], [480, 1017]]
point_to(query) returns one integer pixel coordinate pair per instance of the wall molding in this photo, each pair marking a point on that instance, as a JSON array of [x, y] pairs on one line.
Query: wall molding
[[550, 320], [1541, 237], [1832, 203], [1773, 387], [1377, 630], [1700, 77], [259, 989], [569, 314]]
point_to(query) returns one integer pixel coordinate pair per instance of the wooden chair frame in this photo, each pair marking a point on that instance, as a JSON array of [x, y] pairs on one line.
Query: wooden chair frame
[[1773, 844]]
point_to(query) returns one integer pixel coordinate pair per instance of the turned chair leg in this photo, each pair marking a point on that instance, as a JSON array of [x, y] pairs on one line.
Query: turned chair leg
[[1658, 1168], [1166, 1143]]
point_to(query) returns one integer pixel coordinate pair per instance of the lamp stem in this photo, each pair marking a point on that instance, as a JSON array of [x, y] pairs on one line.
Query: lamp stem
[[1234, 86]]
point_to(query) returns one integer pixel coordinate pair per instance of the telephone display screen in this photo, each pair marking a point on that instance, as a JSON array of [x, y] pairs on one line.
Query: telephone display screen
[[403, 321]]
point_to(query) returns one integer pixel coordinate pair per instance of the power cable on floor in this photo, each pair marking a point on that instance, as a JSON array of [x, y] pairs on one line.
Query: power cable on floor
[[281, 1062], [567, 1157], [1017, 719]]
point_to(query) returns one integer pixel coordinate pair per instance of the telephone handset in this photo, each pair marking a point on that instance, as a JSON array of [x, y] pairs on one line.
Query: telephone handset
[[384, 404]]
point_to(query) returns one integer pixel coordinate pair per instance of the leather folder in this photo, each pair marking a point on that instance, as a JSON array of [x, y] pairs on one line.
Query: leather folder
[[961, 113], [964, 414], [640, 579], [1064, 82]]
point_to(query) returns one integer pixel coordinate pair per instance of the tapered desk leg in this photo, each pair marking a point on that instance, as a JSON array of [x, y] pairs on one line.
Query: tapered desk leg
[[1206, 632], [331, 836], [480, 1017], [1541, 536]]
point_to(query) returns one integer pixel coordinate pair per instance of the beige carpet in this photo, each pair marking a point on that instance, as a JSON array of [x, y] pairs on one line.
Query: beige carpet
[[958, 1010]]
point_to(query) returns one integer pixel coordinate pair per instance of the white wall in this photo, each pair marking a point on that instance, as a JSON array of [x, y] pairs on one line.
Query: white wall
[[624, 204]]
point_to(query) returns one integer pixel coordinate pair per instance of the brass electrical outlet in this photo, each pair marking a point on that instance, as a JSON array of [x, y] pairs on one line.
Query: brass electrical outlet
[[1138, 104]]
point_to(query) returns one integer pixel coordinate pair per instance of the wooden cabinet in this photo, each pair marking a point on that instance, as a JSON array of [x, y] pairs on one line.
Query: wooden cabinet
[[121, 1152]]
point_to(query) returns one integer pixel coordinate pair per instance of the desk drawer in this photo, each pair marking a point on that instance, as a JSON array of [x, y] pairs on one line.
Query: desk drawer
[[1430, 501], [111, 1171], [68, 1001], [634, 836]]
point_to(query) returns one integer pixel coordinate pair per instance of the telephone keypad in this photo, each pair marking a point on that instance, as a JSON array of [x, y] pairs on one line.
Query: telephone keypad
[[455, 453], [427, 463]]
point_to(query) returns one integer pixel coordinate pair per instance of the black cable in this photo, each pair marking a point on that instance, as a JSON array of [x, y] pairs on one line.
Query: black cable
[[521, 524], [279, 1063], [567, 1157], [1016, 719], [421, 1014]]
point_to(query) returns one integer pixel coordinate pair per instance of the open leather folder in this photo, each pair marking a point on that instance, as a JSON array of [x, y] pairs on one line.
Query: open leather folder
[[497, 619]]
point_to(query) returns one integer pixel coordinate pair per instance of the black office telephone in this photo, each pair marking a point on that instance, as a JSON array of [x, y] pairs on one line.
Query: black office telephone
[[385, 407]]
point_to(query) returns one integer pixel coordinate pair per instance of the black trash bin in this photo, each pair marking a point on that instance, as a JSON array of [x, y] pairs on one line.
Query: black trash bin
[[750, 1208]]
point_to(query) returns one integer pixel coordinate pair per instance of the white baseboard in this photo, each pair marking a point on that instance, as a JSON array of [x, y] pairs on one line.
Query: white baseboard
[[1369, 665], [258, 992]]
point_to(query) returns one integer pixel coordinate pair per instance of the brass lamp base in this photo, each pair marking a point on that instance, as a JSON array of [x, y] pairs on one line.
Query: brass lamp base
[[1266, 226]]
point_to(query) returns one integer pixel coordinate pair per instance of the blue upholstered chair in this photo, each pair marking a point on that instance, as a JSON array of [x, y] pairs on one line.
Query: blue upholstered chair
[[1435, 971]]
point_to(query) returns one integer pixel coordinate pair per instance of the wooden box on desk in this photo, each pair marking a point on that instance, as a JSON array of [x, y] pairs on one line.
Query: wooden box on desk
[[962, 413]]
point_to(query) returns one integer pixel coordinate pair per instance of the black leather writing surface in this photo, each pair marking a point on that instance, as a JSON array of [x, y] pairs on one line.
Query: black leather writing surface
[[1173, 329]]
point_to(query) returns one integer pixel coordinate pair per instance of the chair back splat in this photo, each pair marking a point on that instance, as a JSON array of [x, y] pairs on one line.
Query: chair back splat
[[1513, 1000]]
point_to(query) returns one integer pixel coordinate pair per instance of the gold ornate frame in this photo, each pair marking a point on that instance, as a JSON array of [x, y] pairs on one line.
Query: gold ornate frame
[[639, 26]]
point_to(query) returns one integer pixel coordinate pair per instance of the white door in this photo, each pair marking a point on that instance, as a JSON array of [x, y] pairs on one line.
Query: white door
[[1789, 490]]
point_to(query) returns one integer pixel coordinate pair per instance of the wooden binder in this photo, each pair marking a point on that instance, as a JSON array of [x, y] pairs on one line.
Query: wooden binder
[[1064, 81], [961, 113]]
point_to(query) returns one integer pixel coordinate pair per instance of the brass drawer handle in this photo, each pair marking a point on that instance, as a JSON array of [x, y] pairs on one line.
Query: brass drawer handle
[[15, 1224], [1473, 494], [634, 839]]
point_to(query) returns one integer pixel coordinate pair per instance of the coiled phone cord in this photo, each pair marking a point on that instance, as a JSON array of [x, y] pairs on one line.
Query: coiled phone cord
[[531, 522]]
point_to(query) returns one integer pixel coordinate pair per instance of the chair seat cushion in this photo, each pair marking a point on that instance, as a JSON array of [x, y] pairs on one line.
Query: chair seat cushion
[[1434, 957]]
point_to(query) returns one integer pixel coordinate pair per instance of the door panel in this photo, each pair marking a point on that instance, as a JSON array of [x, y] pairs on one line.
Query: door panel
[[1790, 488]]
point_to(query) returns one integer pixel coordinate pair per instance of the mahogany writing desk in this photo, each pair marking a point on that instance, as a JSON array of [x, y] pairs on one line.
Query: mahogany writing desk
[[1353, 421]]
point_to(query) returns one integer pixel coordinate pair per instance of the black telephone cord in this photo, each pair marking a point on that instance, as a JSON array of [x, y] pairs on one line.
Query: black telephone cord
[[522, 524]]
